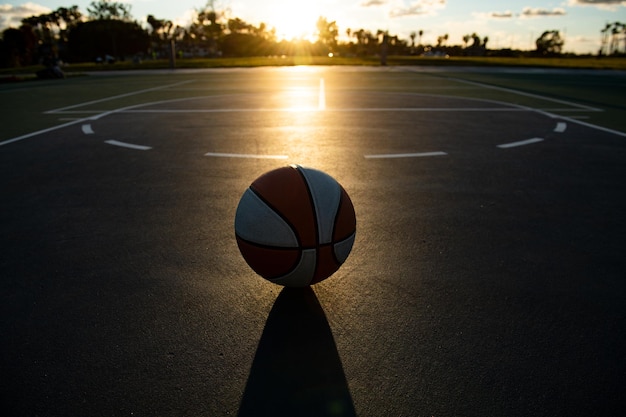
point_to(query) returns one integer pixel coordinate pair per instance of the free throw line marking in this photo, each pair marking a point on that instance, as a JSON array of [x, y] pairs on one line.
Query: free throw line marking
[[242, 155], [520, 143], [404, 155], [128, 145]]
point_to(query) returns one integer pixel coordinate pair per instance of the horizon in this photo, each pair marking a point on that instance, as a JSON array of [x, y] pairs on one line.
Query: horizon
[[514, 24]]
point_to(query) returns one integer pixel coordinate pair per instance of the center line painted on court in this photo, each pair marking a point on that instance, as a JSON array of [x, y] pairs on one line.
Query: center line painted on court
[[242, 155], [405, 155], [560, 127], [128, 145], [87, 130], [520, 143], [321, 105]]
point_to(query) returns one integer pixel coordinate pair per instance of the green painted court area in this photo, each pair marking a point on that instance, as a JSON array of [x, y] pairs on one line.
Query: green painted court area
[[590, 96]]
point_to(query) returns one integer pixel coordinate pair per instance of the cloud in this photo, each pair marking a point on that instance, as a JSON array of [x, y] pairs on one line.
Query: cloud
[[495, 15], [417, 8], [370, 3], [532, 12], [11, 16], [501, 15], [601, 4]]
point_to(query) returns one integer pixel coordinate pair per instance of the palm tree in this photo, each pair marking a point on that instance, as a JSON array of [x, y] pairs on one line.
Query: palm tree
[[615, 31], [466, 39], [605, 34]]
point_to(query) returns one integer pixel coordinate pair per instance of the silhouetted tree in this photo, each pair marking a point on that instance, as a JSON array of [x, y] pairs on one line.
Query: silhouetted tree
[[51, 30], [243, 39], [327, 33], [163, 31], [97, 38], [549, 43], [15, 48], [611, 35], [441, 40], [208, 27], [109, 10]]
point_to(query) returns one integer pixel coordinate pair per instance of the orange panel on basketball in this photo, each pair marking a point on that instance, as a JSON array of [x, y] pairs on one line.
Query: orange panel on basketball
[[326, 264], [268, 262], [285, 190]]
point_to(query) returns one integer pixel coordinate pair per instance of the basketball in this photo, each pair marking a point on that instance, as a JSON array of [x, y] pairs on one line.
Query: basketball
[[295, 226]]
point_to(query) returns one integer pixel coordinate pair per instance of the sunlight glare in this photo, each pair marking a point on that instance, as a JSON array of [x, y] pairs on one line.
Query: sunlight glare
[[300, 99], [296, 20]]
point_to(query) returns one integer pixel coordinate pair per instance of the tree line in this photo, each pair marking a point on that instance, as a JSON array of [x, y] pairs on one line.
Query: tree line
[[108, 32]]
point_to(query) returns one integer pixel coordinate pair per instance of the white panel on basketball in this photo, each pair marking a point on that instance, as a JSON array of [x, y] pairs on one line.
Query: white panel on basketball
[[302, 275], [343, 248], [326, 194], [256, 222]]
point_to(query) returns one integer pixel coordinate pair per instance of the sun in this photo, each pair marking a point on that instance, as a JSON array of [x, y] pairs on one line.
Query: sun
[[295, 20]]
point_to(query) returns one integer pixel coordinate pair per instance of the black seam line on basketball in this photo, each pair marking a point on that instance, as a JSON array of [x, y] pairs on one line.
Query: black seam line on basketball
[[314, 211], [263, 246], [267, 246], [335, 221], [275, 210], [301, 248]]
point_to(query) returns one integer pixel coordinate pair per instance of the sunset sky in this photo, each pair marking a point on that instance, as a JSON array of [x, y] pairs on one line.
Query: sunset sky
[[508, 24]]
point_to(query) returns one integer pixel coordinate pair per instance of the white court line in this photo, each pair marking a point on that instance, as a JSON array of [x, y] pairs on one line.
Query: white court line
[[135, 109], [39, 132], [404, 155], [73, 122], [128, 145], [520, 143], [87, 103], [348, 109], [321, 105], [592, 126], [241, 155], [291, 110], [87, 130], [560, 127], [521, 93]]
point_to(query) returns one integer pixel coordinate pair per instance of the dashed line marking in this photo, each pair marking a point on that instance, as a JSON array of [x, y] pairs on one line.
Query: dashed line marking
[[87, 130], [241, 155], [560, 127], [405, 155], [128, 145], [520, 143]]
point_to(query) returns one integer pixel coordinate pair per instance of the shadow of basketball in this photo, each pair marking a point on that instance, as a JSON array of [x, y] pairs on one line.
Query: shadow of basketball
[[296, 370]]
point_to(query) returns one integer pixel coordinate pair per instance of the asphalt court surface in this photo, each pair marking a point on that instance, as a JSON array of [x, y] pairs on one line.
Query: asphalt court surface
[[487, 277]]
